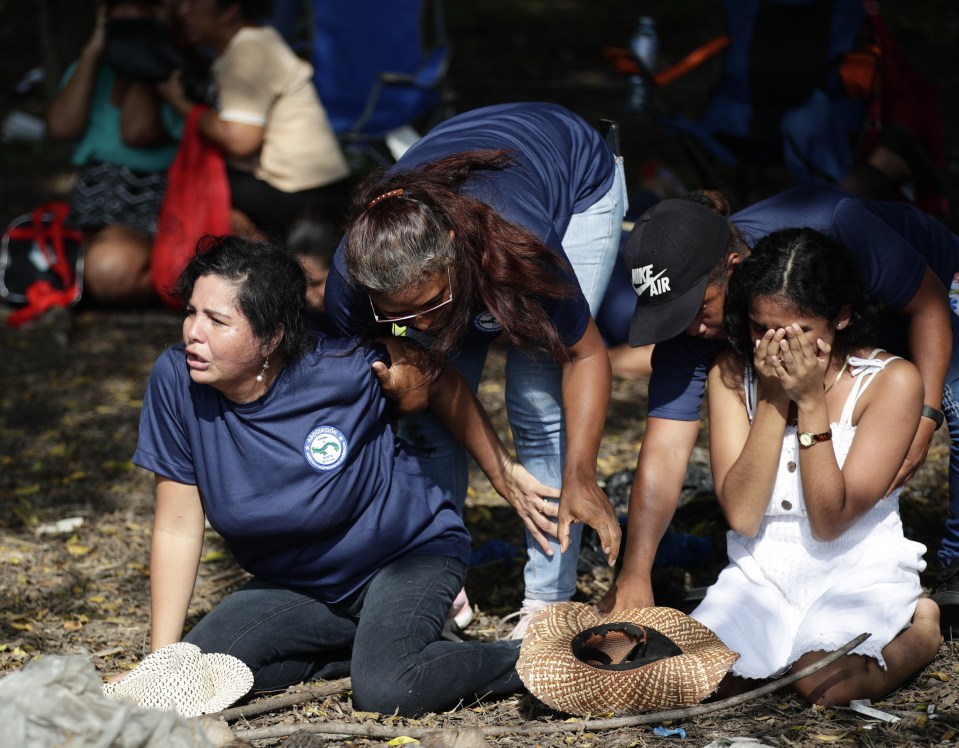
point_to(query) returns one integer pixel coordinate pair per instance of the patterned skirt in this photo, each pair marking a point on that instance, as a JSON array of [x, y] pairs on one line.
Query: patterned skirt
[[108, 195]]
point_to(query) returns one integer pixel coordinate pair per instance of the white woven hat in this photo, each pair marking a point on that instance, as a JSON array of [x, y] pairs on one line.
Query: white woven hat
[[182, 678]]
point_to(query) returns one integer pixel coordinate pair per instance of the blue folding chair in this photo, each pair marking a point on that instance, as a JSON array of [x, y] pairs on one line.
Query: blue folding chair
[[380, 67]]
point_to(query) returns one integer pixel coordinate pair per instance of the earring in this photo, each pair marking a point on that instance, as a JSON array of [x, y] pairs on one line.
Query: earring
[[266, 365], [839, 325]]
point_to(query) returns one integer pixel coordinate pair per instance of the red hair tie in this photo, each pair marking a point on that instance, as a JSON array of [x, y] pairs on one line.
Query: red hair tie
[[391, 193]]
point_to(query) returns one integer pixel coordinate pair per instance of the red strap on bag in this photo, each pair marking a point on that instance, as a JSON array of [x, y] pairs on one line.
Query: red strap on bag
[[197, 203], [47, 232]]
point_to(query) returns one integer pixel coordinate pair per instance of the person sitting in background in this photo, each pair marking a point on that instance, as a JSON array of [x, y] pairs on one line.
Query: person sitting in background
[[313, 240], [284, 441], [808, 425], [126, 138], [280, 150]]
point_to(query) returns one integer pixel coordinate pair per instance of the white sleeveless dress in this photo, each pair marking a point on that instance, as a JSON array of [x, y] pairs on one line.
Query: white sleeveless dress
[[784, 593]]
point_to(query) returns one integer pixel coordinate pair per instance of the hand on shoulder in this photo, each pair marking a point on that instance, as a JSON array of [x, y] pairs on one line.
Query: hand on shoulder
[[403, 380]]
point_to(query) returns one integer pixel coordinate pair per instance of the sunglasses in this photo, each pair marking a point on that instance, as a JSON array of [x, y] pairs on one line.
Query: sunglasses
[[419, 313]]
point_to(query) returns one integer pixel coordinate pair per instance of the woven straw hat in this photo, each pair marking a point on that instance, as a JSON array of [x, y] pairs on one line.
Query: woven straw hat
[[652, 658], [182, 678]]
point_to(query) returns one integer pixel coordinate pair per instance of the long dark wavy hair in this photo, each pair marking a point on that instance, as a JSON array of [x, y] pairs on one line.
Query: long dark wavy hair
[[271, 288], [395, 242], [807, 269]]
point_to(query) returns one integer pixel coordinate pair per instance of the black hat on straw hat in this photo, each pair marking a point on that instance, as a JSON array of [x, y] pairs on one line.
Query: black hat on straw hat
[[577, 662]]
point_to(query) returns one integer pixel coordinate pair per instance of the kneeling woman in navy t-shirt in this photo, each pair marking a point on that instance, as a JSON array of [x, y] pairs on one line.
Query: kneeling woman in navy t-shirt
[[284, 443]]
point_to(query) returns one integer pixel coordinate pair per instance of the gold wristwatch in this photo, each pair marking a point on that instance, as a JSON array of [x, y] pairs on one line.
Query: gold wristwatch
[[808, 438]]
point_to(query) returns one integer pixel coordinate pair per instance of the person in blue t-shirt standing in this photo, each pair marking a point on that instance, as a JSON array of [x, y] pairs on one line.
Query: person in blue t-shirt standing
[[501, 222], [285, 444], [680, 257]]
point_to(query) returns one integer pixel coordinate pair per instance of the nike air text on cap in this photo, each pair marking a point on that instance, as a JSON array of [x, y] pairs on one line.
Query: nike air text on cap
[[669, 255]]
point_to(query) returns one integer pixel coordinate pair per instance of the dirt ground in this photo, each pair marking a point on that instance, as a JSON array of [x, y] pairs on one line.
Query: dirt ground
[[70, 391], [75, 515]]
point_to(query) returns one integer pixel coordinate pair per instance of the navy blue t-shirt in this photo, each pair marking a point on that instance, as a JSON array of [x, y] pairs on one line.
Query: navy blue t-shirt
[[562, 167], [307, 485], [892, 243]]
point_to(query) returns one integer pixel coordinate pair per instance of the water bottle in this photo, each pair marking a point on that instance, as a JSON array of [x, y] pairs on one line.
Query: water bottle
[[645, 47]]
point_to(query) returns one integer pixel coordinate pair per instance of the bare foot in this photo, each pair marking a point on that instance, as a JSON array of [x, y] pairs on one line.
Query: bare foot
[[926, 619]]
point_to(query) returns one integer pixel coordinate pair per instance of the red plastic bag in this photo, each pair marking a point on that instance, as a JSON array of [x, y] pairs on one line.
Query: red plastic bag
[[197, 203]]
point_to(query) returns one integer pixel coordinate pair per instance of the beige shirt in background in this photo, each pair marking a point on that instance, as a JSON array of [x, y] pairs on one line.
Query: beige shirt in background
[[260, 81]]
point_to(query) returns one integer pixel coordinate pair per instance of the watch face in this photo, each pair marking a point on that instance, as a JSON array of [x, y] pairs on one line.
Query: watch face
[[808, 438]]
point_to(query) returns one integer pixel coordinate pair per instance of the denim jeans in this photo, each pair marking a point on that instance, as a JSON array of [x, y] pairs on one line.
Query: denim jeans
[[387, 638], [534, 401], [949, 550]]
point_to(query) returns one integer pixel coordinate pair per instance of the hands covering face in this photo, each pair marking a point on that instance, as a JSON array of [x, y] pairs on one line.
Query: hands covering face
[[787, 357]]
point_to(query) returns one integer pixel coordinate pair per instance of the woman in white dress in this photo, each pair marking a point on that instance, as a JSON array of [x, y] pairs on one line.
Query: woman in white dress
[[808, 426]]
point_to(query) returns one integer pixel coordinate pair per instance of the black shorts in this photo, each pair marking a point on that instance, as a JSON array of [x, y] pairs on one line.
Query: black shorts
[[274, 211]]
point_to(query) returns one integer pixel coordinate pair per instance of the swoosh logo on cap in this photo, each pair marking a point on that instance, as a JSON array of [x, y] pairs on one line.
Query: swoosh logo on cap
[[640, 290]]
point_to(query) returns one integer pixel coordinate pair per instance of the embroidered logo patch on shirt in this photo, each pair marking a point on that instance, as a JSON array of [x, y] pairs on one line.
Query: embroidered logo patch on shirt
[[325, 448], [486, 322]]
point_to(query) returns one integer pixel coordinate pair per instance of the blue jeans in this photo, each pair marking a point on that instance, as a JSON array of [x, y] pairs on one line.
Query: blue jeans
[[949, 550], [387, 638], [534, 401]]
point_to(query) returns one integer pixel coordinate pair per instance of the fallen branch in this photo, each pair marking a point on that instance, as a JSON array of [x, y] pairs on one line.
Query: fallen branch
[[308, 693], [107, 652], [382, 731], [232, 579]]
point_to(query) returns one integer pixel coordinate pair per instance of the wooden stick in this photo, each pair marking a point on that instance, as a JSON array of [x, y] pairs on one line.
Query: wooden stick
[[327, 688], [382, 731], [226, 581], [107, 652]]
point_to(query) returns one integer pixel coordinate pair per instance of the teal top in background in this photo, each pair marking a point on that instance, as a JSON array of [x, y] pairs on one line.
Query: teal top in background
[[102, 142]]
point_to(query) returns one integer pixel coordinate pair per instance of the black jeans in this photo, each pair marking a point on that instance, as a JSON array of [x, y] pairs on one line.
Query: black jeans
[[388, 638]]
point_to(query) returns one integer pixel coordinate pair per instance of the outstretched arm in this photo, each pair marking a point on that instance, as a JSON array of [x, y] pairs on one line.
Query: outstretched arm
[[930, 346], [178, 526], [660, 472], [586, 387], [453, 402]]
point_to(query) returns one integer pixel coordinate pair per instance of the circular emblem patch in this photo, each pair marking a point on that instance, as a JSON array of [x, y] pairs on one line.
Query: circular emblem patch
[[486, 322], [325, 448]]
